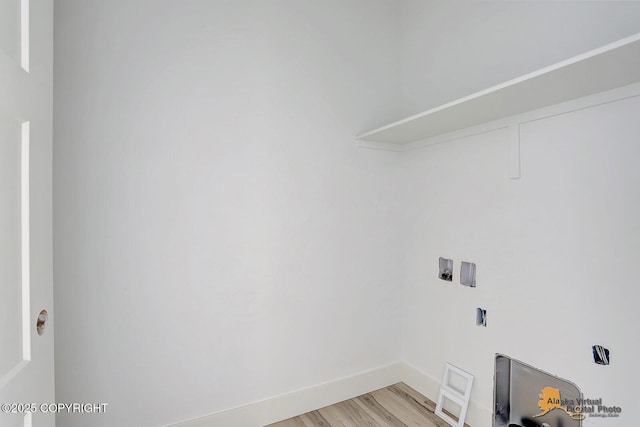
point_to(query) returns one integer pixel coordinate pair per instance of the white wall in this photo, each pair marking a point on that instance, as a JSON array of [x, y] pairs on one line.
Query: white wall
[[451, 49], [219, 237], [555, 250], [555, 253]]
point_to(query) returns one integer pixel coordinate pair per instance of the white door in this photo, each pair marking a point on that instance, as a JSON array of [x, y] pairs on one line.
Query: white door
[[26, 357]]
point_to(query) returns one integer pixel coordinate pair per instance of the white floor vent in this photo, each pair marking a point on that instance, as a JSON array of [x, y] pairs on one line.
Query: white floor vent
[[455, 392]]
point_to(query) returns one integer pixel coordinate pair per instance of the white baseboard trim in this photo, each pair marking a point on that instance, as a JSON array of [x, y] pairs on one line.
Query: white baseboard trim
[[298, 402], [477, 415], [288, 405]]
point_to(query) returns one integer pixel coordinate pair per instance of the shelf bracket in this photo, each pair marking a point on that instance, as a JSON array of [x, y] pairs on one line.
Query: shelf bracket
[[514, 151]]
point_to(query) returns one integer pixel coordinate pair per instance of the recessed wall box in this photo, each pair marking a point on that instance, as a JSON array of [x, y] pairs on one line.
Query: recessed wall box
[[600, 355], [520, 393], [446, 269], [468, 274], [481, 317]]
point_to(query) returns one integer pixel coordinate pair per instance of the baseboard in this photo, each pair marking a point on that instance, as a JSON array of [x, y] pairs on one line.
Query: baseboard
[[298, 402], [477, 415]]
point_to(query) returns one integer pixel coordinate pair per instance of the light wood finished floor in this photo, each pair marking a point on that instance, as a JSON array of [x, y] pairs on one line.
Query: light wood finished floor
[[395, 406]]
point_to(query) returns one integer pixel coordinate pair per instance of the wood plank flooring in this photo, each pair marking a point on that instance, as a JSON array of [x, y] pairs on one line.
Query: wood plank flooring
[[395, 406]]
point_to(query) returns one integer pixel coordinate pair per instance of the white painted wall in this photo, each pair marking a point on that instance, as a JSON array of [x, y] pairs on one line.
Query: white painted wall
[[219, 238], [555, 254], [555, 250], [451, 49]]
